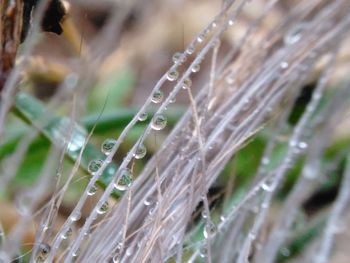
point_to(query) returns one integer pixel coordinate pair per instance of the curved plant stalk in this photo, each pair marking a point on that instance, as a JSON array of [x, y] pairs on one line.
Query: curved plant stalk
[[33, 111]]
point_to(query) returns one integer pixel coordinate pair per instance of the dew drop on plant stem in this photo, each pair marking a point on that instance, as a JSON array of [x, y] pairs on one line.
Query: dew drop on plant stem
[[143, 116], [157, 96], [187, 83], [209, 229], [76, 253], [284, 65], [177, 57], [92, 190], [103, 209], [201, 38], [116, 258], [190, 50], [196, 68], [159, 122], [125, 180], [94, 166], [147, 202], [107, 146], [44, 251], [140, 151], [302, 145], [76, 215], [293, 35], [266, 187], [172, 75], [67, 234], [203, 252]]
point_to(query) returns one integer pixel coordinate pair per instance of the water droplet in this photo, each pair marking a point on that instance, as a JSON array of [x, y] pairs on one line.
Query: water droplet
[[190, 50], [204, 214], [128, 251], [285, 252], [231, 22], [67, 234], [209, 229], [103, 208], [293, 35], [44, 250], [159, 122], [230, 79], [265, 161], [94, 166], [143, 116], [201, 38], [196, 68], [107, 146], [284, 65], [177, 57], [172, 75], [292, 143], [203, 252], [125, 180], [157, 96], [187, 83], [116, 258], [140, 151], [76, 253], [302, 145], [222, 218], [266, 187], [22, 204], [76, 215], [92, 190], [251, 236], [147, 202]]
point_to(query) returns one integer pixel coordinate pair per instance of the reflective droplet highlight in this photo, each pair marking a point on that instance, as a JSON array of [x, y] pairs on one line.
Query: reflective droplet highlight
[[190, 50], [107, 146], [44, 251], [143, 116], [196, 68], [125, 180], [293, 35], [67, 234], [209, 229], [159, 122], [75, 216], [187, 83], [94, 166], [140, 151], [172, 75], [103, 209], [92, 190], [177, 58], [157, 96]]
